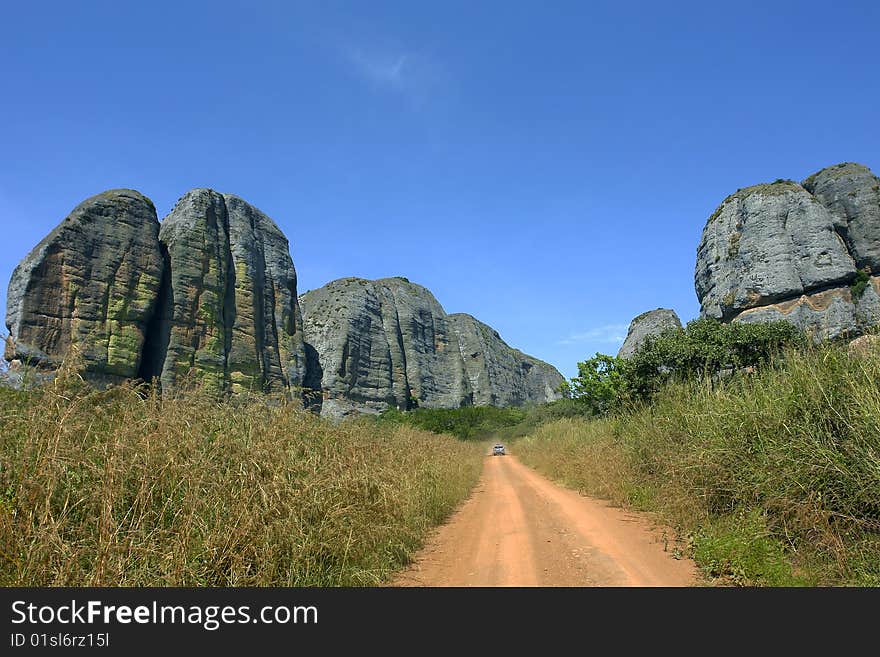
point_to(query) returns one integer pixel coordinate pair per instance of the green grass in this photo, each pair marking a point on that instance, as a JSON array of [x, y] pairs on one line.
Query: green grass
[[769, 479], [124, 488]]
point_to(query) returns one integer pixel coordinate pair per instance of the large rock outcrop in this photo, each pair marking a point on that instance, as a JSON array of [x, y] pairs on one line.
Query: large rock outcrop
[[90, 285], [389, 343], [498, 374], [796, 252], [209, 297], [649, 323], [229, 314], [210, 294], [851, 193]]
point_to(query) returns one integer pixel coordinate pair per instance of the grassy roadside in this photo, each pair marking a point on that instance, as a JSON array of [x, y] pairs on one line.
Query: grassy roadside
[[770, 479], [123, 488]]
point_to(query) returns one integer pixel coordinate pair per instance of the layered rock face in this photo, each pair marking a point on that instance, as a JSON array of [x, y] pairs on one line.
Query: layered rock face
[[90, 285], [794, 252], [389, 343], [649, 323], [229, 314], [211, 294], [498, 374], [851, 193], [209, 297]]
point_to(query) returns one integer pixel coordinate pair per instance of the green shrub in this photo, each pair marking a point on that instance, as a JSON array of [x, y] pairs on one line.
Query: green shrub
[[486, 422], [705, 347], [860, 284], [466, 423]]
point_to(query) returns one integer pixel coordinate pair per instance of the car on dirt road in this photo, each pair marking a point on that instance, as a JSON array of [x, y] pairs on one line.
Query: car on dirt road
[[498, 450]]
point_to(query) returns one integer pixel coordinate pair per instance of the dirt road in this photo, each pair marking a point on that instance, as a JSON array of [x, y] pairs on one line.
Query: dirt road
[[520, 529]]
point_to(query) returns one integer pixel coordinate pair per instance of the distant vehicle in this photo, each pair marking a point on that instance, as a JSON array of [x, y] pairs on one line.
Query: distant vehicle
[[498, 450]]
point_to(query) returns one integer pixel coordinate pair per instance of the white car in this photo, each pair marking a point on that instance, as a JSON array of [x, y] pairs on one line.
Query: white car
[[498, 450]]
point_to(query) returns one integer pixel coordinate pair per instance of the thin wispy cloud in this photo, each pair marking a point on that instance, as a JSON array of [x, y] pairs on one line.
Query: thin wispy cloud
[[608, 334], [412, 74], [394, 70]]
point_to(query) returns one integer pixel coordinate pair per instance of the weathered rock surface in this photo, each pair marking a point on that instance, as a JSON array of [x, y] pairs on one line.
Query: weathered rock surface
[[790, 251], [265, 299], [209, 297], [649, 323], [196, 306], [353, 327], [229, 314], [92, 285], [766, 244], [852, 195], [498, 374], [389, 343], [863, 346]]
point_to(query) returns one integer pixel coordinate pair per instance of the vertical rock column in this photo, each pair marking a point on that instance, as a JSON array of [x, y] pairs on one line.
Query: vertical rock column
[[199, 303], [434, 370], [231, 308], [267, 347]]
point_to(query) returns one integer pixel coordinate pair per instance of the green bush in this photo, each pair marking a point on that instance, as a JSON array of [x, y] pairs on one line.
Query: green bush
[[466, 423], [705, 347], [860, 284], [486, 422]]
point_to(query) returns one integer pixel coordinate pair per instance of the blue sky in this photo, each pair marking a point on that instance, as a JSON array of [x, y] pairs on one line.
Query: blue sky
[[545, 166]]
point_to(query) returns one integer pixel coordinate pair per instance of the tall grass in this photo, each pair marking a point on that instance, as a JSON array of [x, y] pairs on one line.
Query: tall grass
[[125, 488], [771, 478]]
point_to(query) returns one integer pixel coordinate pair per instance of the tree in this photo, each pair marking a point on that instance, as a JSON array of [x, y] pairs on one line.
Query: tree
[[600, 383]]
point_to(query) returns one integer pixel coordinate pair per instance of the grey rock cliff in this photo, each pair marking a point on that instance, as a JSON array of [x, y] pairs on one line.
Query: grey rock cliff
[[851, 193], [498, 374], [229, 314], [91, 284], [196, 301], [209, 297], [790, 251], [389, 343], [352, 326], [649, 323]]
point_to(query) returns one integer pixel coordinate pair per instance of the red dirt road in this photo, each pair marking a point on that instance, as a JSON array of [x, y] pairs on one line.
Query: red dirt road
[[520, 529]]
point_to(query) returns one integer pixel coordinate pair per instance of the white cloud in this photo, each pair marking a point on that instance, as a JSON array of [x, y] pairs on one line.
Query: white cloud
[[411, 74], [391, 70], [610, 334]]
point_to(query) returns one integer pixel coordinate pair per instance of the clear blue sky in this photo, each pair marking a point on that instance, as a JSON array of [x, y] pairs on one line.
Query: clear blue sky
[[545, 166]]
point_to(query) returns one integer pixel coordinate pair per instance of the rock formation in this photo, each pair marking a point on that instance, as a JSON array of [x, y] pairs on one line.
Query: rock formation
[[90, 285], [389, 343], [498, 374], [807, 253], [229, 312], [209, 297], [649, 323], [210, 294], [851, 193]]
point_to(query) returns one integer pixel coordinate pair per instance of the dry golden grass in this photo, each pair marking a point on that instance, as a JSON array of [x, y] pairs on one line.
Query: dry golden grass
[[125, 488], [771, 479]]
